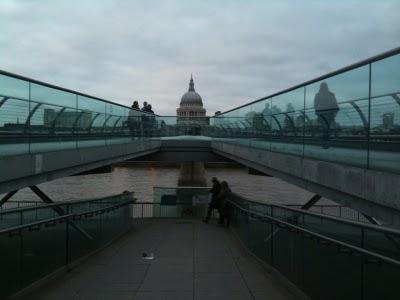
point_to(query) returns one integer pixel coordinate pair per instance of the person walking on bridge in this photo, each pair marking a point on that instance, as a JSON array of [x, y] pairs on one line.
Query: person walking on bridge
[[214, 204]]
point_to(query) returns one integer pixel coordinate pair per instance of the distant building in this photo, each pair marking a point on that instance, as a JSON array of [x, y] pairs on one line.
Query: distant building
[[191, 115], [67, 119]]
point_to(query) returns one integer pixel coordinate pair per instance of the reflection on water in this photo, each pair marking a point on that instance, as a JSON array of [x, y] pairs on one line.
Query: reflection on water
[[142, 180]]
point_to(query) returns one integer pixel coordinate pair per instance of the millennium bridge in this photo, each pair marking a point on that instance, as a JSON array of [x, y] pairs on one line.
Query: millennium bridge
[[120, 247]]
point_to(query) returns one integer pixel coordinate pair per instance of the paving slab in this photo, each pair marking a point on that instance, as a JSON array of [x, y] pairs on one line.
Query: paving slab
[[190, 260]]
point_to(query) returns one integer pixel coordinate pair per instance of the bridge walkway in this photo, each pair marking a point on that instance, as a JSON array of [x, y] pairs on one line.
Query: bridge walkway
[[192, 260]]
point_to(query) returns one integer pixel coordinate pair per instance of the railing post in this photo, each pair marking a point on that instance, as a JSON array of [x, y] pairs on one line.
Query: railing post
[[362, 266], [101, 227], [248, 229], [67, 239], [67, 254], [21, 217], [21, 255], [272, 244]]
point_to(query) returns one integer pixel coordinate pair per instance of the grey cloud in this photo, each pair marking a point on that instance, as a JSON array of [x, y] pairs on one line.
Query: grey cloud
[[238, 50]]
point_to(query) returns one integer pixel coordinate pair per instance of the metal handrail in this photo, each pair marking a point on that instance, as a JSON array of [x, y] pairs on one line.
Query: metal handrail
[[182, 187], [24, 201], [320, 236], [311, 108], [324, 216], [31, 80], [306, 232], [350, 222], [315, 205], [64, 217], [142, 202], [62, 106], [14, 210], [20, 227]]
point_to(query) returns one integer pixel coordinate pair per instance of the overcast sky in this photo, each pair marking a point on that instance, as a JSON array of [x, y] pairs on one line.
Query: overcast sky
[[238, 51]]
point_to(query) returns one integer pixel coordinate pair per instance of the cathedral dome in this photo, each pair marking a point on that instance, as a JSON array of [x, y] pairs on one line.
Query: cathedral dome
[[191, 98]]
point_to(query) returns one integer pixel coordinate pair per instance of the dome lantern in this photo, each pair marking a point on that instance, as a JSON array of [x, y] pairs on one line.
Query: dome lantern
[[191, 98], [191, 84]]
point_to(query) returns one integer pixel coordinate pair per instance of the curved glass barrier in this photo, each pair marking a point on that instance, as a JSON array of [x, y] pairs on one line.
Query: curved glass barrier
[[350, 117]]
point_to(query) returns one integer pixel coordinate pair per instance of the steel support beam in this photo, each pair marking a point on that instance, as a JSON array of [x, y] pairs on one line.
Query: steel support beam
[[311, 202], [53, 125], [310, 124], [396, 98], [291, 122], [314, 199], [28, 120], [78, 117], [58, 210], [43, 196], [389, 237], [265, 121], [361, 114], [92, 122], [4, 100], [371, 219], [277, 123], [105, 122], [115, 124], [7, 197]]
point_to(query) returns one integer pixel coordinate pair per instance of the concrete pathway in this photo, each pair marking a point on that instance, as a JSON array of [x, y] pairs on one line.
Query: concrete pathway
[[192, 260]]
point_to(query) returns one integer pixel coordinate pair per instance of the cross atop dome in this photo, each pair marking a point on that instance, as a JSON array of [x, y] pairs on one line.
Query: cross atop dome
[[191, 83]]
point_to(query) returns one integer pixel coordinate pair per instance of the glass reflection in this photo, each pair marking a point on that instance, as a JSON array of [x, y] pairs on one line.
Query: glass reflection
[[326, 109]]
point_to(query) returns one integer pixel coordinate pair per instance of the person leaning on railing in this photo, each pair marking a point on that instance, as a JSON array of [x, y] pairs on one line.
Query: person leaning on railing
[[135, 105], [133, 121], [214, 204], [224, 206]]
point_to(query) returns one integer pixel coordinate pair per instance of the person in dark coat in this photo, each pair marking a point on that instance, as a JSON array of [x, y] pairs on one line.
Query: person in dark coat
[[135, 105], [326, 109], [133, 121], [215, 190], [149, 109], [144, 108], [224, 205]]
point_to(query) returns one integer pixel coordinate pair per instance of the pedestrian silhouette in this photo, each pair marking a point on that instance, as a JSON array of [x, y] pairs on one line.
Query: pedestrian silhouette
[[288, 123], [267, 110], [214, 204], [135, 105], [150, 109], [144, 107], [224, 205], [326, 109]]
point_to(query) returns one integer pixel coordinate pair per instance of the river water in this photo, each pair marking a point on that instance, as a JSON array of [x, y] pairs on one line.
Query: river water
[[142, 180]]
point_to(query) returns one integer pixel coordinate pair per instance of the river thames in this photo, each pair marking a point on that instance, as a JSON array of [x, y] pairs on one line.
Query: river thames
[[141, 180]]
